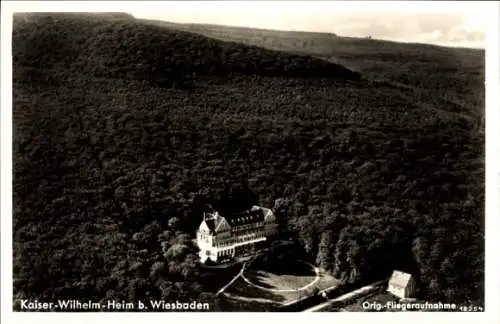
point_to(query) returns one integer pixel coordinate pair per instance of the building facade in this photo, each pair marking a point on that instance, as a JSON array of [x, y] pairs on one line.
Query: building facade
[[223, 238], [402, 285]]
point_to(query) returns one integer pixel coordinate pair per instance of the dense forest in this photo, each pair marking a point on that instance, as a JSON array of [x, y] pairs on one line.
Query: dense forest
[[453, 74], [124, 130]]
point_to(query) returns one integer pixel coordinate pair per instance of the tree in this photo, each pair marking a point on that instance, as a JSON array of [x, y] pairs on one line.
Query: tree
[[324, 258]]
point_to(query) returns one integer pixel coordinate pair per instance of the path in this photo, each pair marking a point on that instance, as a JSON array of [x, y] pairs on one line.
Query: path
[[353, 294], [306, 297], [232, 280], [247, 263]]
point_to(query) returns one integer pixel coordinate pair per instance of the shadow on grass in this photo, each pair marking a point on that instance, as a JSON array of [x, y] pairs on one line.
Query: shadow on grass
[[285, 267], [214, 279], [243, 289], [260, 279]]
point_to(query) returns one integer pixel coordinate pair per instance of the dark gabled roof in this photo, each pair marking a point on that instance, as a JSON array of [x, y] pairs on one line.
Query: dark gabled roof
[[211, 224], [245, 218]]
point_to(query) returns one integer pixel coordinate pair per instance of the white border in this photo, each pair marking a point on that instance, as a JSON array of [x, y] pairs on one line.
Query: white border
[[492, 177], [492, 168], [247, 6]]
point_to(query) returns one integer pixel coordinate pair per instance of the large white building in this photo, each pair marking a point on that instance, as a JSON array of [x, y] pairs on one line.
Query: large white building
[[222, 238]]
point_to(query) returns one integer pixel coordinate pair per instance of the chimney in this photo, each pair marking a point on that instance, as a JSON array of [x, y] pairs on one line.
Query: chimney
[[208, 216]]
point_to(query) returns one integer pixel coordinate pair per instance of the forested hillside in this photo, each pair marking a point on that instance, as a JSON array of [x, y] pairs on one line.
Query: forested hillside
[[122, 130], [124, 48], [455, 74]]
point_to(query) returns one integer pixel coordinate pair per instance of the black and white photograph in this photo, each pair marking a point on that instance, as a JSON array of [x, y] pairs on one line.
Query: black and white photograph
[[239, 156]]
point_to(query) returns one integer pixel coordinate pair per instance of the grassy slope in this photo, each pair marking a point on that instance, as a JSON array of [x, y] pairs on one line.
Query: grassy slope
[[103, 149]]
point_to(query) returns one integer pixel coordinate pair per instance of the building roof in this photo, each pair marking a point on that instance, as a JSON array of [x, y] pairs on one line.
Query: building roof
[[400, 279], [211, 224], [246, 217], [216, 222]]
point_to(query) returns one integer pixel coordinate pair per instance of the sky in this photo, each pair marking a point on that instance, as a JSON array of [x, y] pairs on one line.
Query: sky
[[448, 23]]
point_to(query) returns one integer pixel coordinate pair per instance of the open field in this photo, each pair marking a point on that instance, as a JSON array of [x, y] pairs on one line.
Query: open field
[[214, 279], [265, 290], [298, 276]]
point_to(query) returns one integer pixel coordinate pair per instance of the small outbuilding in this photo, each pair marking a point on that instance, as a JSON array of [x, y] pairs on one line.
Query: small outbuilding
[[402, 284]]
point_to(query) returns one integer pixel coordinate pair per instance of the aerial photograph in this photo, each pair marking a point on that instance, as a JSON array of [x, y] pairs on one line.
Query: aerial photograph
[[248, 161]]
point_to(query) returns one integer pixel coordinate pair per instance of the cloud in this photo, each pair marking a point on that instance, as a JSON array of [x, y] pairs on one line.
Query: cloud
[[435, 29], [450, 25]]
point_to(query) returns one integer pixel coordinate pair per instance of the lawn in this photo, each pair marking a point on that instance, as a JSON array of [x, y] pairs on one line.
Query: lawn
[[241, 296], [263, 289], [297, 275], [213, 279]]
